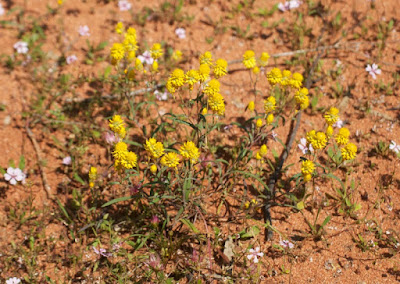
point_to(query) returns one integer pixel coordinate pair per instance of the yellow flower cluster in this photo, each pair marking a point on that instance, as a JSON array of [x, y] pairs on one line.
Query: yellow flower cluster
[[269, 104], [123, 157], [285, 78], [170, 160], [301, 98], [156, 51], [262, 153], [318, 140], [217, 104], [190, 152], [307, 168], [331, 116], [250, 61], [126, 49], [349, 151], [154, 148], [117, 125], [92, 176]]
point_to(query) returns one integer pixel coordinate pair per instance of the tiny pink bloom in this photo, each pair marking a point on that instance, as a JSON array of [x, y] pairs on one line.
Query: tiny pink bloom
[[338, 123], [101, 252], [155, 220], [110, 138], [181, 33], [84, 31], [289, 5], [373, 70], [13, 280], [286, 244], [255, 254], [161, 96], [21, 47], [146, 58], [154, 262], [67, 161], [394, 147], [274, 135], [14, 175], [124, 5], [71, 59], [303, 146]]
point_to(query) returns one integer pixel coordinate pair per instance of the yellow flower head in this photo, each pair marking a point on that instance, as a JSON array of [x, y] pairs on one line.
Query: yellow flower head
[[156, 51], [177, 55], [131, 32], [307, 167], [120, 151], [116, 124], [329, 131], [170, 160], [119, 28], [154, 148], [177, 78], [117, 52], [216, 103], [263, 150], [192, 77], [259, 123], [249, 59], [256, 70], [130, 42], [307, 177], [190, 151], [331, 116], [320, 141], [270, 119], [311, 136], [138, 65], [269, 104], [206, 58], [349, 151], [153, 168], [342, 138], [170, 86], [204, 72], [92, 176], [220, 68], [286, 77], [297, 80], [251, 106], [154, 67], [212, 87], [264, 59], [130, 160], [305, 103], [204, 111], [274, 76]]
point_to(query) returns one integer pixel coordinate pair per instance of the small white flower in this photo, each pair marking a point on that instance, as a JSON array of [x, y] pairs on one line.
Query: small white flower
[[21, 47], [146, 58], [255, 254], [124, 5], [71, 59], [14, 175], [274, 135], [181, 33], [161, 96], [338, 123], [67, 161], [373, 70], [293, 4], [84, 31], [286, 244], [394, 147], [289, 5], [13, 280], [303, 146], [2, 11]]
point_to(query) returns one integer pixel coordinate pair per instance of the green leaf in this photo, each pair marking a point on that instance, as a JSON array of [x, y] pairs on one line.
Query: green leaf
[[253, 231], [79, 179], [21, 164], [116, 200], [190, 225]]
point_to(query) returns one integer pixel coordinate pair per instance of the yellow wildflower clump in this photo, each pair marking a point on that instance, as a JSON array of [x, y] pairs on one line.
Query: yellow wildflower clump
[[259, 123], [177, 78], [123, 157], [177, 55], [130, 42], [319, 141], [301, 98], [130, 160], [120, 151], [170, 160], [264, 59], [256, 70], [119, 28], [154, 67], [331, 116], [217, 104], [156, 51], [206, 58], [153, 168], [154, 148], [251, 106], [117, 52], [204, 72], [274, 76], [220, 68], [342, 138], [117, 125], [311, 136], [261, 153], [249, 59], [286, 77], [329, 131], [190, 151], [92, 176], [212, 87], [269, 104], [192, 77], [297, 80], [349, 151], [270, 119], [307, 168]]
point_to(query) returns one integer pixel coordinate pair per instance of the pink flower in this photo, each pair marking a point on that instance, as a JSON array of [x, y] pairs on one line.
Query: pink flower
[[2, 11], [303, 146], [71, 59], [338, 123], [373, 70], [110, 138], [146, 58], [21, 47], [274, 135], [84, 31], [155, 220], [67, 161], [101, 252], [155, 262], [286, 244], [394, 147], [181, 33], [124, 5], [161, 96], [289, 5], [255, 254], [14, 175]]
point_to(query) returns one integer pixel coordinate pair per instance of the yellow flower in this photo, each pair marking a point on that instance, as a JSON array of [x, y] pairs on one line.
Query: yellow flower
[[249, 59], [153, 168], [177, 55], [259, 123], [349, 151], [130, 42], [286, 74], [131, 32], [220, 68], [120, 151], [270, 119], [256, 70], [117, 52], [170, 160], [251, 106], [342, 138], [212, 87], [297, 80], [204, 111], [307, 167], [206, 58], [92, 176], [320, 141], [274, 76], [204, 72], [154, 67], [192, 77], [190, 151], [216, 103], [307, 177], [131, 55], [304, 104], [329, 131], [331, 116], [154, 148], [301, 98], [138, 65], [269, 104], [177, 78], [156, 51], [264, 59], [119, 28], [170, 87], [263, 150], [246, 205], [116, 124], [258, 156], [130, 160], [60, 2]]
